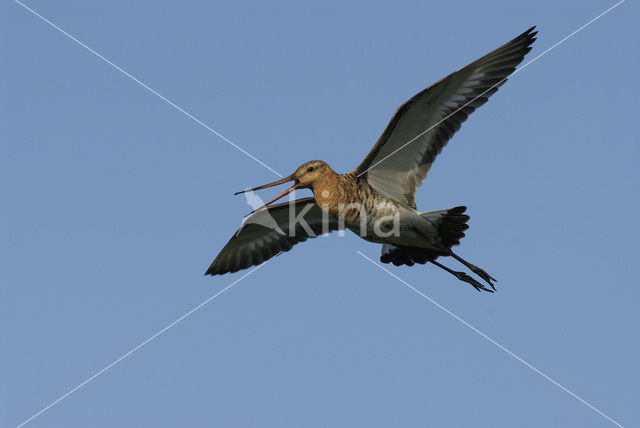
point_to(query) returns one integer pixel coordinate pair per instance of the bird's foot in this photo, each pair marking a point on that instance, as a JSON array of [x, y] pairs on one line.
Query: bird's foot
[[466, 278], [475, 269], [482, 274]]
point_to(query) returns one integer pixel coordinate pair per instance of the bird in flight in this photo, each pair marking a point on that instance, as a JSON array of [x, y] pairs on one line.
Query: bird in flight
[[377, 199]]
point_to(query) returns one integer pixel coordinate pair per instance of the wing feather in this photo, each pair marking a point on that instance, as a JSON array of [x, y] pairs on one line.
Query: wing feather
[[271, 231], [421, 127]]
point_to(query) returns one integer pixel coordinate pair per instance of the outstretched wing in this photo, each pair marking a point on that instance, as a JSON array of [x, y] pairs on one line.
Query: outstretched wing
[[271, 231], [400, 160]]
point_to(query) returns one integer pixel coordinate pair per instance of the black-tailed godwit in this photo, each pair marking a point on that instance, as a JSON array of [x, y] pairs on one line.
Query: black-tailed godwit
[[377, 199]]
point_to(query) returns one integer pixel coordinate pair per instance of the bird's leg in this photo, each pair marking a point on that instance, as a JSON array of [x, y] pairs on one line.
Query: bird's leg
[[462, 277], [475, 269]]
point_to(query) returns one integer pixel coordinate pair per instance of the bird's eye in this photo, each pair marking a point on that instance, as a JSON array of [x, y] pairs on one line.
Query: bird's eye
[[310, 169]]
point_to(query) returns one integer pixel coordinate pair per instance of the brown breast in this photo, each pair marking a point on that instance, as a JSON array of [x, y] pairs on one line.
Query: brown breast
[[337, 191]]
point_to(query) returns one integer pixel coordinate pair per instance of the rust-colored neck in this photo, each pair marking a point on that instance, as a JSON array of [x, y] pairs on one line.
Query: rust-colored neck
[[334, 190]]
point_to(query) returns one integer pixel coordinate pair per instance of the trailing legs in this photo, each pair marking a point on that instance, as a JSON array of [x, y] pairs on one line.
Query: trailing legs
[[463, 277], [475, 269]]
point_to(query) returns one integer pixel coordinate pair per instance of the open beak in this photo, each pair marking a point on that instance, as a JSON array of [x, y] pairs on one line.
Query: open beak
[[275, 183]]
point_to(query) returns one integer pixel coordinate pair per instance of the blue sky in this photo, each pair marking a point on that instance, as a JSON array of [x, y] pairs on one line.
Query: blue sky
[[115, 203]]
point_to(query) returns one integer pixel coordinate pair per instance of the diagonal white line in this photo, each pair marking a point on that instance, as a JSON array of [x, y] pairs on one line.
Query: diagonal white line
[[142, 344], [489, 339], [497, 84], [162, 97], [275, 172]]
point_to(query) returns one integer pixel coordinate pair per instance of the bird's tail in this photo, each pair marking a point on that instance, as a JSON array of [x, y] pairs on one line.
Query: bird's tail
[[451, 224]]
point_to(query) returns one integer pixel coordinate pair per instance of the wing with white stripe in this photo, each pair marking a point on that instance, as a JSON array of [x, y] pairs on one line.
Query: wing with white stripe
[[270, 231], [400, 160]]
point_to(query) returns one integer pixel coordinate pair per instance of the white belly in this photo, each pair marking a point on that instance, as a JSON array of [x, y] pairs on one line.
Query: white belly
[[391, 223]]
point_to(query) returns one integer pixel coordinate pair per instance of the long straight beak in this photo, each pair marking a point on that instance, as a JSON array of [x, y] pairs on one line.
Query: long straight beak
[[275, 183]]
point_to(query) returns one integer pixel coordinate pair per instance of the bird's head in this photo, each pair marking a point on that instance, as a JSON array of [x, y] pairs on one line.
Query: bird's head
[[304, 177], [309, 173]]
